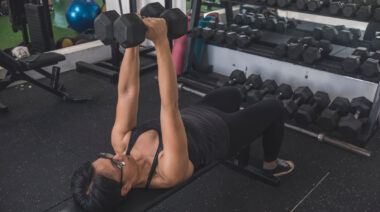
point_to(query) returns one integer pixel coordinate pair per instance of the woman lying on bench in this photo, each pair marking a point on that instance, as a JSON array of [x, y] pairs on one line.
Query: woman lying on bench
[[164, 152]]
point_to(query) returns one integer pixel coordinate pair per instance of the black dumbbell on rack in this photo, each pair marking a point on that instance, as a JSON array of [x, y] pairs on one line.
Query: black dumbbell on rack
[[329, 118], [236, 79], [313, 53], [352, 124], [248, 36], [267, 87], [336, 7], [300, 96], [284, 91], [307, 113], [360, 60], [316, 5]]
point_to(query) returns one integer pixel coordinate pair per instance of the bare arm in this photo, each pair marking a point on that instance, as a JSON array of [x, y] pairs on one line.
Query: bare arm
[[176, 162], [127, 104]]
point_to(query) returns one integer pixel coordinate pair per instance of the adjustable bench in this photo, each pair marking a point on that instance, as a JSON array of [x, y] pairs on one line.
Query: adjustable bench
[[145, 199], [18, 69]]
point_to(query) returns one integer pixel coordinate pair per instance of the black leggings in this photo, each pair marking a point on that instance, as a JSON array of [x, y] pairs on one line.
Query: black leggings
[[264, 118]]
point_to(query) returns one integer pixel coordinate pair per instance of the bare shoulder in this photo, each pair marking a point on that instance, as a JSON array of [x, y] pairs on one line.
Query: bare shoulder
[[168, 175]]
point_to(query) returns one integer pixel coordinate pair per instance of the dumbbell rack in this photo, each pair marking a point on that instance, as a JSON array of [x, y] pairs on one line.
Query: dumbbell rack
[[224, 60]]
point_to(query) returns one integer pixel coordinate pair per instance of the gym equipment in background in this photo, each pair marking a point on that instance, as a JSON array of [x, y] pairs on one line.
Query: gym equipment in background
[[80, 14], [59, 19]]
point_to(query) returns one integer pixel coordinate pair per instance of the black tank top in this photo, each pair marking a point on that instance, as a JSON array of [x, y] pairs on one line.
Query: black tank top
[[207, 136]]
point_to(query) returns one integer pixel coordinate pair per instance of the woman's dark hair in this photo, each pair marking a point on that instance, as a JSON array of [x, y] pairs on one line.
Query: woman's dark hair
[[102, 195]]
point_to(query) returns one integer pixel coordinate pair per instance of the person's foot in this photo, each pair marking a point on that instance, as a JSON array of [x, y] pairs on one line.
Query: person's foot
[[283, 167]]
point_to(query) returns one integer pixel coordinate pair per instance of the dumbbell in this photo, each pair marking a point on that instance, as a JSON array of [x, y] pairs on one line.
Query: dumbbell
[[129, 29], [271, 23], [281, 49], [351, 64], [295, 50], [351, 125], [260, 21], [103, 26], [284, 91], [284, 23], [314, 5], [307, 113], [300, 96], [244, 19], [329, 33], [268, 86], [209, 32], [329, 118], [335, 7], [364, 12], [176, 20], [314, 53], [301, 5], [253, 81], [376, 14], [349, 10], [236, 77], [245, 39]]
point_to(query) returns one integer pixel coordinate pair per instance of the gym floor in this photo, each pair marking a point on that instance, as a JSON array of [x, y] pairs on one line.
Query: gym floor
[[43, 140]]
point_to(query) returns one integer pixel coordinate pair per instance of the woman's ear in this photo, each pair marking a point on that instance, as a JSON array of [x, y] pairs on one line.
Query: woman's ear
[[125, 189]]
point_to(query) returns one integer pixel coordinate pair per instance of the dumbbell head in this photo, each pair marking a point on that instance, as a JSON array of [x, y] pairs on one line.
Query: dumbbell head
[[238, 19], [260, 21], [317, 33], [300, 96], [328, 120], [284, 91], [362, 105], [219, 36], [129, 30], [364, 12], [103, 25], [283, 3], [295, 50], [153, 10], [212, 24], [307, 113], [351, 125], [335, 8], [351, 64], [329, 33], [233, 27], [208, 33], [356, 33], [349, 10], [362, 52], [345, 37], [325, 45], [176, 22], [243, 40], [253, 81], [271, 23], [313, 5], [281, 49], [370, 67], [237, 76], [376, 14], [255, 34], [243, 29], [312, 54], [301, 4], [308, 41], [231, 38], [268, 86], [196, 32], [281, 26]]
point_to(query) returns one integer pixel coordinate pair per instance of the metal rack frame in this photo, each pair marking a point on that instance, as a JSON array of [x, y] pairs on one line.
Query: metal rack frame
[[189, 61]]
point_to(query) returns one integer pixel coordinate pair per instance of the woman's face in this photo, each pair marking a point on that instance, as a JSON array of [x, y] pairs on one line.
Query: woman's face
[[107, 168]]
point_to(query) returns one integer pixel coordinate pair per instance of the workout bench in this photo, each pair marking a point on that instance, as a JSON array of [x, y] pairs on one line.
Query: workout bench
[[145, 199], [18, 69]]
